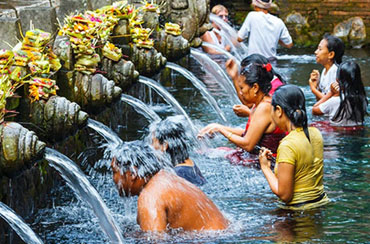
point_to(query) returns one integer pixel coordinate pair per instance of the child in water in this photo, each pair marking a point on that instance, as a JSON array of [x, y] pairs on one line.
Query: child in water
[[169, 136], [346, 103], [165, 199], [299, 170], [329, 54]]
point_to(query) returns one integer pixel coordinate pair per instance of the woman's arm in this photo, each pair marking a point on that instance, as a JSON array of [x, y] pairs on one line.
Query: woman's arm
[[217, 128], [281, 184], [258, 125]]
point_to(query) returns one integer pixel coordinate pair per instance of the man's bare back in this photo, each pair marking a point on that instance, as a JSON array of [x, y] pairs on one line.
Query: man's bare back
[[169, 200]]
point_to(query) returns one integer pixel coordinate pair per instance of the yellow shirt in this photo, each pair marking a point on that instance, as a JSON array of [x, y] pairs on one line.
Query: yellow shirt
[[307, 157]]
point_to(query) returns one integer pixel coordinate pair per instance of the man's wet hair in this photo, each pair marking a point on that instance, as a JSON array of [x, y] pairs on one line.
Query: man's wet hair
[[140, 158], [172, 131]]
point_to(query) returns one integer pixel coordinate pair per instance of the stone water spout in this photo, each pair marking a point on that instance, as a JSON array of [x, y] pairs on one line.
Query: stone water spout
[[147, 61], [122, 73], [89, 91], [57, 117], [18, 146]]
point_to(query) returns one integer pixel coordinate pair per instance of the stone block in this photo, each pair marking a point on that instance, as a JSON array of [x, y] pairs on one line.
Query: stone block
[[43, 18], [10, 33], [66, 7], [95, 4]]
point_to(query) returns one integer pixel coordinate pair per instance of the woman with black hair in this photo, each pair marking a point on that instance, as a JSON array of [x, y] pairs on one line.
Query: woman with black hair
[[242, 110], [298, 177], [253, 86], [346, 104], [329, 54]]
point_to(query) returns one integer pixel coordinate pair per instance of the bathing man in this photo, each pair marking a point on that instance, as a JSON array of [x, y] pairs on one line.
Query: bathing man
[[165, 199]]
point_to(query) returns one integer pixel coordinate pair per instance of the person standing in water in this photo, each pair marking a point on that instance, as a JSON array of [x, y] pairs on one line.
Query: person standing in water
[[253, 85], [165, 199], [264, 31], [329, 54], [169, 136], [346, 103], [299, 170], [213, 36]]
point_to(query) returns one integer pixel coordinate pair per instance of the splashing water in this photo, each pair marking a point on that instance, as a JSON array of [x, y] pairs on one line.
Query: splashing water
[[202, 88], [213, 68], [166, 96], [221, 50], [239, 49], [18, 224], [141, 107], [78, 182], [109, 135]]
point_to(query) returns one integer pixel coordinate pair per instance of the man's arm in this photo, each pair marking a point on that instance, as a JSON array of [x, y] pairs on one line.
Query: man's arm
[[290, 45]]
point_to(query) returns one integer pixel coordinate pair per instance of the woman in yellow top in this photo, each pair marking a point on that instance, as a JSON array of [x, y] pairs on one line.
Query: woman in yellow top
[[298, 177]]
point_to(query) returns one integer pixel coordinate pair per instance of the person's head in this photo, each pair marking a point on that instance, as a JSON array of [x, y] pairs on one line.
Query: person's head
[[169, 136], [262, 4], [221, 11], [289, 107], [353, 104], [330, 50], [255, 76], [133, 164]]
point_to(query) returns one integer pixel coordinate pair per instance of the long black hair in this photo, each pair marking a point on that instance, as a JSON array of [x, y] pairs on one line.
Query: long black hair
[[353, 101], [336, 45], [292, 101], [257, 69]]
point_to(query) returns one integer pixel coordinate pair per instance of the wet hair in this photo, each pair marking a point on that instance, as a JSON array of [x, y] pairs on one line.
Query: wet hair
[[140, 158], [336, 45], [353, 100], [172, 131], [292, 101], [218, 8], [252, 67]]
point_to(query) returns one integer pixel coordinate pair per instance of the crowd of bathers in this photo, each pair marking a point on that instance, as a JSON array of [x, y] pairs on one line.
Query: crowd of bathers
[[276, 139]]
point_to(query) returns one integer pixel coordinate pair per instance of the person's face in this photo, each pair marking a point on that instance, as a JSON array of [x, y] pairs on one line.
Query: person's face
[[323, 56], [224, 15], [249, 93], [128, 182]]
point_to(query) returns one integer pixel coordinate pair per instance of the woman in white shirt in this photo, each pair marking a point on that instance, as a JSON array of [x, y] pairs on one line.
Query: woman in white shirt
[[346, 103], [329, 54]]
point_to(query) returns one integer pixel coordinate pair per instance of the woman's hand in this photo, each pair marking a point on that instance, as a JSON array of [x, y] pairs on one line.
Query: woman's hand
[[232, 68], [241, 110], [265, 158], [209, 130]]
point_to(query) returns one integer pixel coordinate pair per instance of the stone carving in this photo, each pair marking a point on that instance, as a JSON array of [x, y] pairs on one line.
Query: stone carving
[[18, 146], [190, 14], [172, 47], [123, 73], [57, 117], [147, 61]]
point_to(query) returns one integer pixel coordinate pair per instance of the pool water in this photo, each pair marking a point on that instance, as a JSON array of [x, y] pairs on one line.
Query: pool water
[[242, 193]]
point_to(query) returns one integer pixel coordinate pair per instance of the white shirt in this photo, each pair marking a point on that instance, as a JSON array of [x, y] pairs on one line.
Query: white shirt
[[264, 32], [328, 78], [330, 108]]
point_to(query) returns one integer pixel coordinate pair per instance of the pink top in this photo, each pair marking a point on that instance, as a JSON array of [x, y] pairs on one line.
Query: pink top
[[275, 83]]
